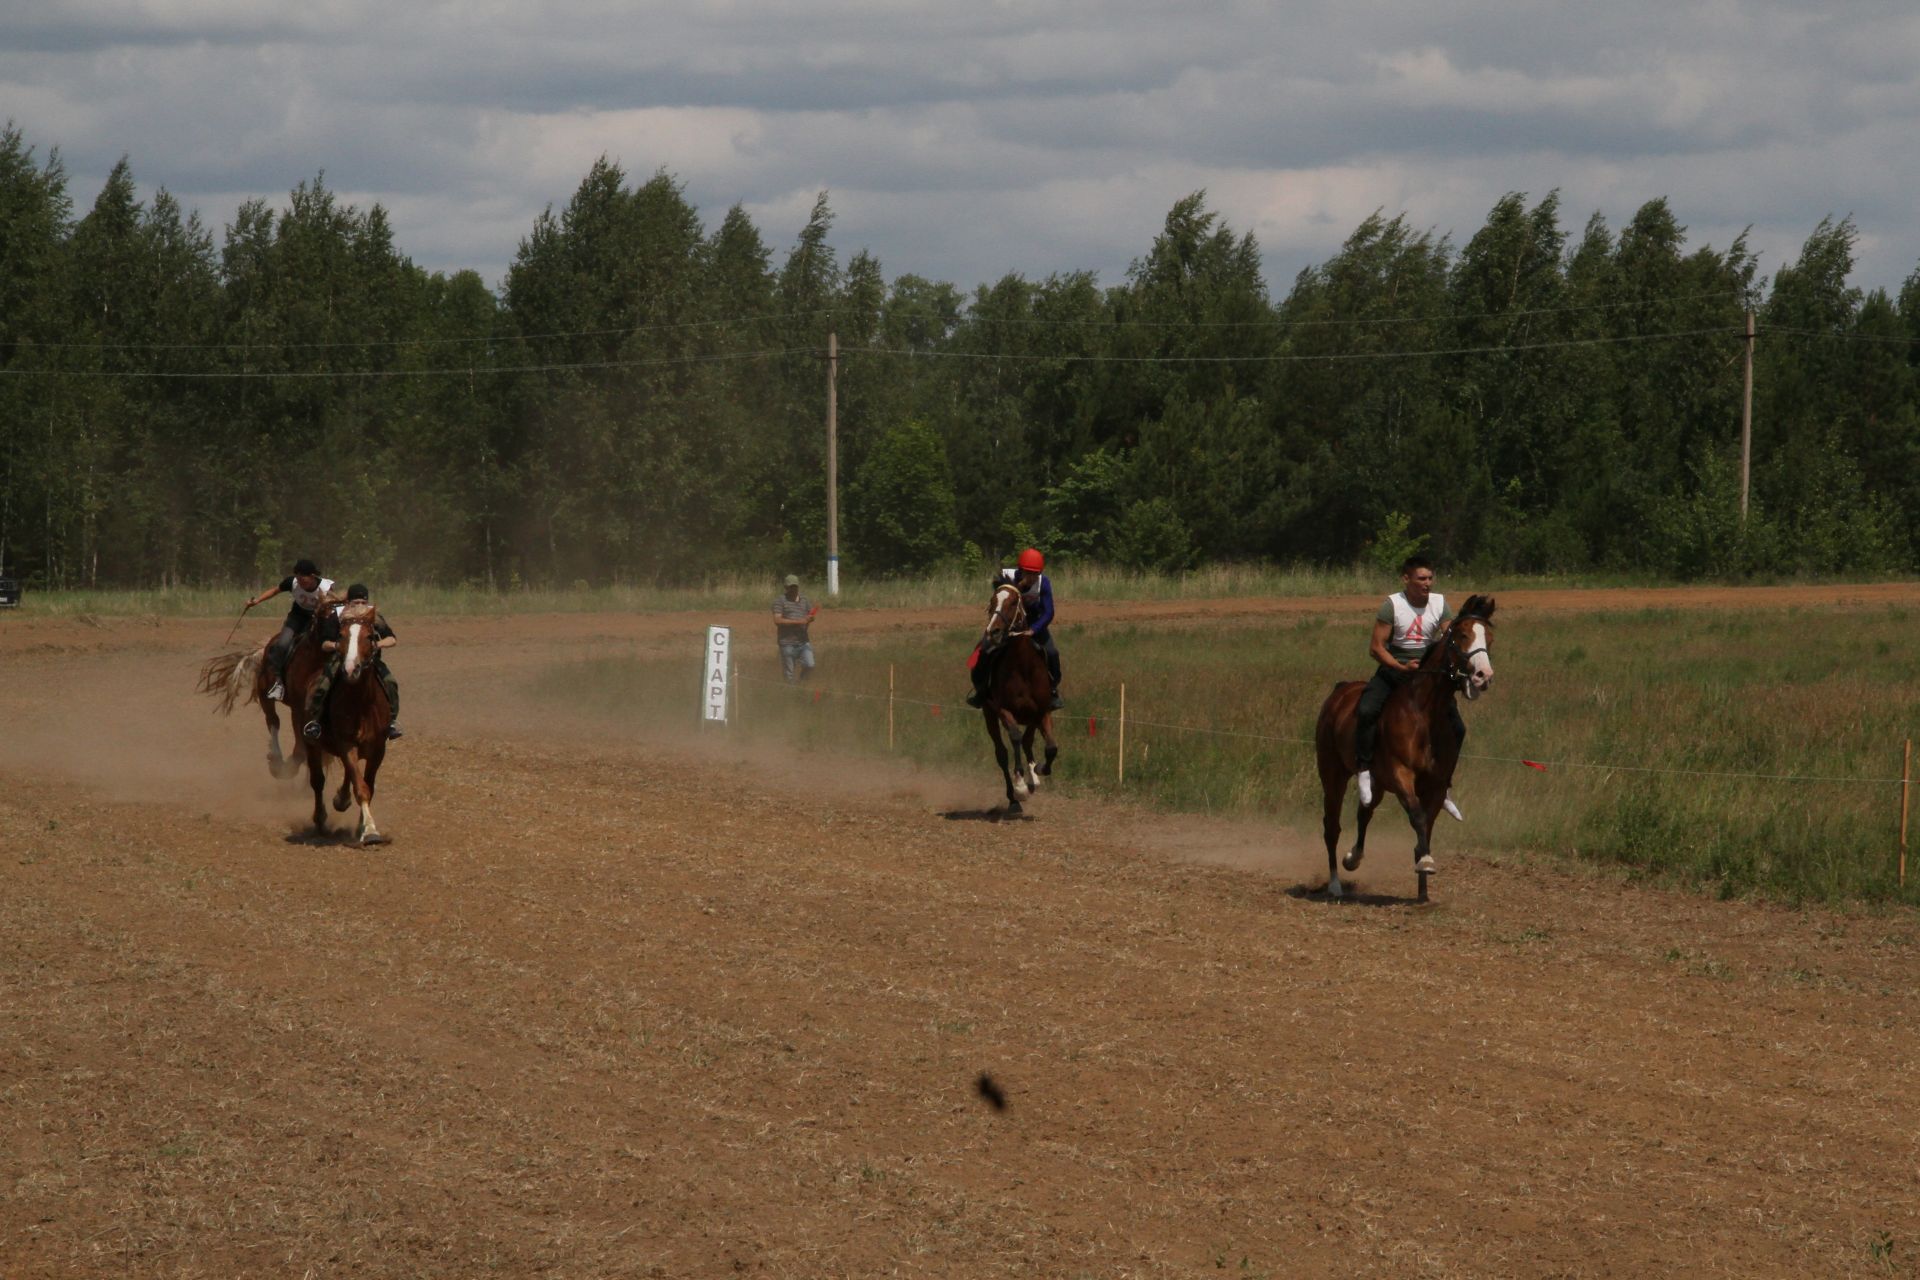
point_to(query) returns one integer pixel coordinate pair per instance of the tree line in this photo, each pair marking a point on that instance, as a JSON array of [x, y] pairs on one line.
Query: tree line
[[643, 398]]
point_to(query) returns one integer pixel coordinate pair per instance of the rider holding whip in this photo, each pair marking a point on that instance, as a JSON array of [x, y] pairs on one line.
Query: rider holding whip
[[309, 591]]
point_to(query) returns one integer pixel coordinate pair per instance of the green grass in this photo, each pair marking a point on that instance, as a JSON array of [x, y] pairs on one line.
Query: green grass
[[1670, 705], [952, 587]]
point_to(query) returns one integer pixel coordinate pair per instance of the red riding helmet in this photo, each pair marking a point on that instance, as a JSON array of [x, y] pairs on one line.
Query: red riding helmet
[[1031, 560]]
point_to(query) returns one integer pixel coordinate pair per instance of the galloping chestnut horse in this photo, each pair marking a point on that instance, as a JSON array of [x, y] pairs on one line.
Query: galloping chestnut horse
[[248, 672], [353, 725], [1019, 693], [1416, 751]]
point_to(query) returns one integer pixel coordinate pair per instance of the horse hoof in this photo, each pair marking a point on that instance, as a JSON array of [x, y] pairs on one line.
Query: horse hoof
[[340, 804], [1335, 889], [1350, 860], [1013, 808], [1425, 865]]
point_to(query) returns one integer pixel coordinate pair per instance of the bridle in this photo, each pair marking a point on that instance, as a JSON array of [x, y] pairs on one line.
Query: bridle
[[1459, 669], [1016, 620]]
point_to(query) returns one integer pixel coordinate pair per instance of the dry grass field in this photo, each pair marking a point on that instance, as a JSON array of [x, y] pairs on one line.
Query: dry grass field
[[628, 1000]]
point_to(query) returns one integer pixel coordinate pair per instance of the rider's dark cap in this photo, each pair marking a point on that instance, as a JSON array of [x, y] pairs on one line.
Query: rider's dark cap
[[304, 566], [358, 591]]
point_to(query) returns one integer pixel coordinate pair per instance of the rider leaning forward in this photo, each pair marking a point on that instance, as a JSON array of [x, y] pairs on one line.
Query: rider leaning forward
[[1409, 623], [384, 639], [1036, 597], [310, 592]]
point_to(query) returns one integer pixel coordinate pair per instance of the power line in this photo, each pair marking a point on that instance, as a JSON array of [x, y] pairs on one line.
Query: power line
[[1021, 357], [503, 339]]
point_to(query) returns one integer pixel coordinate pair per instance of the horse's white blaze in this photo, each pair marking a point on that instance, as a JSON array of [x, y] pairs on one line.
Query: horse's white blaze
[[353, 649], [1482, 664]]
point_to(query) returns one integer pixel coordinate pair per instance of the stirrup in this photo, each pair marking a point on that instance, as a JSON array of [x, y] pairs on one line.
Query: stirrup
[[1366, 788], [311, 730]]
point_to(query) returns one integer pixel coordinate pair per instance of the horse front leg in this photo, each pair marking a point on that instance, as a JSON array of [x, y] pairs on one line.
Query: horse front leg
[[1053, 749], [343, 794], [360, 777], [1361, 817], [1333, 795], [369, 769], [1022, 754], [1026, 750], [317, 776], [1000, 754], [1420, 818]]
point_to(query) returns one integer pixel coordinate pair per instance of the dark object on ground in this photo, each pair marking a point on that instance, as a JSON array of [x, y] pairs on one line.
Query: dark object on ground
[[991, 1091], [9, 593]]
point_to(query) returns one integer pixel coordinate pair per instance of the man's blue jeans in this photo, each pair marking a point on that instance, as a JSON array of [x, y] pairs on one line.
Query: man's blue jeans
[[796, 659]]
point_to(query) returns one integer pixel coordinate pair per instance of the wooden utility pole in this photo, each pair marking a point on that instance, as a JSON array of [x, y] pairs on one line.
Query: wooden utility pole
[[833, 467], [1746, 424]]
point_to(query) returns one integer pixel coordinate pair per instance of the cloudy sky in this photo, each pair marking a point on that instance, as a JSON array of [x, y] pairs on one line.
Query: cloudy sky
[[967, 139]]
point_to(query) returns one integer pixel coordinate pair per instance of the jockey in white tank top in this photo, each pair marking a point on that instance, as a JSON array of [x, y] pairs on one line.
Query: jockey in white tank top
[[1414, 630]]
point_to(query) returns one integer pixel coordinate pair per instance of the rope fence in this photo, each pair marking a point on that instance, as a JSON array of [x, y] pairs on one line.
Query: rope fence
[[1120, 721], [1095, 715]]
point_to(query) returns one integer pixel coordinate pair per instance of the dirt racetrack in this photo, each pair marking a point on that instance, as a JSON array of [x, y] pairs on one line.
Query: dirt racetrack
[[646, 1005]]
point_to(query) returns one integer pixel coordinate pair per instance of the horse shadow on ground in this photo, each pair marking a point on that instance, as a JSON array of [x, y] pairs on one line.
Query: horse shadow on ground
[[331, 838], [1352, 898], [984, 815]]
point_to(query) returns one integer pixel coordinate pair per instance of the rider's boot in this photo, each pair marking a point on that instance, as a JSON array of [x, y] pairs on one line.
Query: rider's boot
[[1056, 704], [393, 731], [279, 691], [1366, 788], [975, 699], [1453, 810]]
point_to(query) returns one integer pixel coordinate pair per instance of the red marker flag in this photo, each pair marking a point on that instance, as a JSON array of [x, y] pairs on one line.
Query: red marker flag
[[935, 709], [1093, 730], [1534, 764]]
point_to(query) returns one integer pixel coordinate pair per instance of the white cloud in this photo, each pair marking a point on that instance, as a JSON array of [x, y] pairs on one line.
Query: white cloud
[[964, 141]]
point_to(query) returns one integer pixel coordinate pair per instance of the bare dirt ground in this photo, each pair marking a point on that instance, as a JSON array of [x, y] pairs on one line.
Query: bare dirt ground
[[631, 1005]]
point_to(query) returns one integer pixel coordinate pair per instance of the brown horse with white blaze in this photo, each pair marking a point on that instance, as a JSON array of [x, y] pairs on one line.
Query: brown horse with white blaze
[[1019, 694], [353, 724], [1415, 754]]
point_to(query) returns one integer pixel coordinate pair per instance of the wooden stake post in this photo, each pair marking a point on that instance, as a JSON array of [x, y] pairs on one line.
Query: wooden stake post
[[889, 706], [1906, 782], [1120, 776]]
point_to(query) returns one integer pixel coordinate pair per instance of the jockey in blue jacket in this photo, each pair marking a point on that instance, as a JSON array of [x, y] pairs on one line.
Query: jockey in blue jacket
[[1036, 597]]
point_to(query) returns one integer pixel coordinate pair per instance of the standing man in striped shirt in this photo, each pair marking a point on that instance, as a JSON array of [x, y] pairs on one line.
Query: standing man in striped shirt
[[792, 616]]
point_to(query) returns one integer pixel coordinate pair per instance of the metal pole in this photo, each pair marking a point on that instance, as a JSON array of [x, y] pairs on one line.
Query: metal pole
[[1746, 425], [1120, 776], [833, 466]]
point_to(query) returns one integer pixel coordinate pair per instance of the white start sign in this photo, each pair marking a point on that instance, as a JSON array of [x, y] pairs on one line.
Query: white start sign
[[719, 651]]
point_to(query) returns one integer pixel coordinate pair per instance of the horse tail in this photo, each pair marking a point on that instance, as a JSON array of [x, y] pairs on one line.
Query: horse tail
[[227, 677]]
